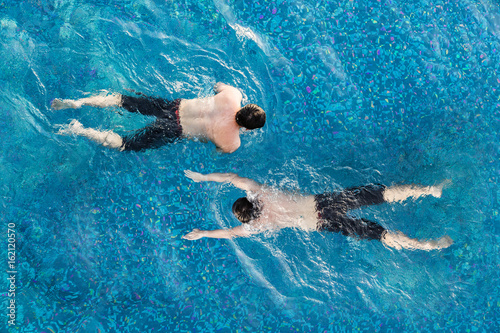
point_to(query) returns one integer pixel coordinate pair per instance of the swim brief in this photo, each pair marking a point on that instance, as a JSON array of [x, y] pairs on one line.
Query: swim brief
[[332, 211], [165, 129]]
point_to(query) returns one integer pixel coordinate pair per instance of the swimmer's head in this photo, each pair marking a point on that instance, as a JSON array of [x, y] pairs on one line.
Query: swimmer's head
[[251, 116], [246, 210]]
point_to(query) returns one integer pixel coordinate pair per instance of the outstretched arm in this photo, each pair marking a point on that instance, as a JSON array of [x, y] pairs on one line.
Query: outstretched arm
[[245, 184], [238, 231]]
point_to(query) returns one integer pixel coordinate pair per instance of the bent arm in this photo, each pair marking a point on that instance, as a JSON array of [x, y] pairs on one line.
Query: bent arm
[[219, 87], [238, 231], [229, 148], [245, 184]]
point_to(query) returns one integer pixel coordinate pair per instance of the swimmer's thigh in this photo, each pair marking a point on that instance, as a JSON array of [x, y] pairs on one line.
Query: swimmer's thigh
[[357, 197], [148, 106], [156, 135], [357, 228]]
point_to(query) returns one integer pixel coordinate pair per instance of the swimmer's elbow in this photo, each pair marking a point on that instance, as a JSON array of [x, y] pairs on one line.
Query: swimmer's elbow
[[219, 86], [227, 149], [223, 150]]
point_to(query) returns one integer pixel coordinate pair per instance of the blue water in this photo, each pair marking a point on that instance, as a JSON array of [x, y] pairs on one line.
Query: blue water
[[356, 92]]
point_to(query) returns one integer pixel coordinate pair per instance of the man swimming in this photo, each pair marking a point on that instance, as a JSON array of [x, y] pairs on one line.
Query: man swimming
[[266, 208], [217, 119]]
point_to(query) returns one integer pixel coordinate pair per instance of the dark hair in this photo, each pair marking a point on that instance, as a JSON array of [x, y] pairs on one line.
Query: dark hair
[[245, 210], [251, 116]]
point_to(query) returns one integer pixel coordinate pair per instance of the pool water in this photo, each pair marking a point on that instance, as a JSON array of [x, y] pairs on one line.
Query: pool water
[[356, 92]]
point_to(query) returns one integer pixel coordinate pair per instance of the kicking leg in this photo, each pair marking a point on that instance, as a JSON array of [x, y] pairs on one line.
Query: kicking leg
[[402, 192], [399, 240], [108, 139], [101, 101]]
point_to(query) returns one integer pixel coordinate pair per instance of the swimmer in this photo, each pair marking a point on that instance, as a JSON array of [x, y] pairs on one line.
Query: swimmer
[[267, 209], [217, 119]]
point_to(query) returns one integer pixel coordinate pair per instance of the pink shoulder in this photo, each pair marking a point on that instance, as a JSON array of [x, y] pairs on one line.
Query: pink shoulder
[[231, 92], [228, 143], [230, 148]]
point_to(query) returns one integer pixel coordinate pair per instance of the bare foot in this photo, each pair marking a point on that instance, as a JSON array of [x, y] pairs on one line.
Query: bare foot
[[443, 242], [74, 127], [438, 244], [437, 190], [59, 104]]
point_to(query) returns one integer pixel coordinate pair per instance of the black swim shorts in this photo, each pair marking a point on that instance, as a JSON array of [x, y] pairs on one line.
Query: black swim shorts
[[332, 211], [165, 129]]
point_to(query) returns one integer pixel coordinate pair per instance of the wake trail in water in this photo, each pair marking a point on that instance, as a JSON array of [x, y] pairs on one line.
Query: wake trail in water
[[243, 33]]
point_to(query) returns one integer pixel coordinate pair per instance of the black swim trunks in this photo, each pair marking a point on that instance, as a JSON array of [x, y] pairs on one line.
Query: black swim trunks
[[165, 129], [332, 211]]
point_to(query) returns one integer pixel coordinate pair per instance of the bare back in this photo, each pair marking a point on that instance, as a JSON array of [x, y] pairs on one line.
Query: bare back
[[213, 118], [285, 210]]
